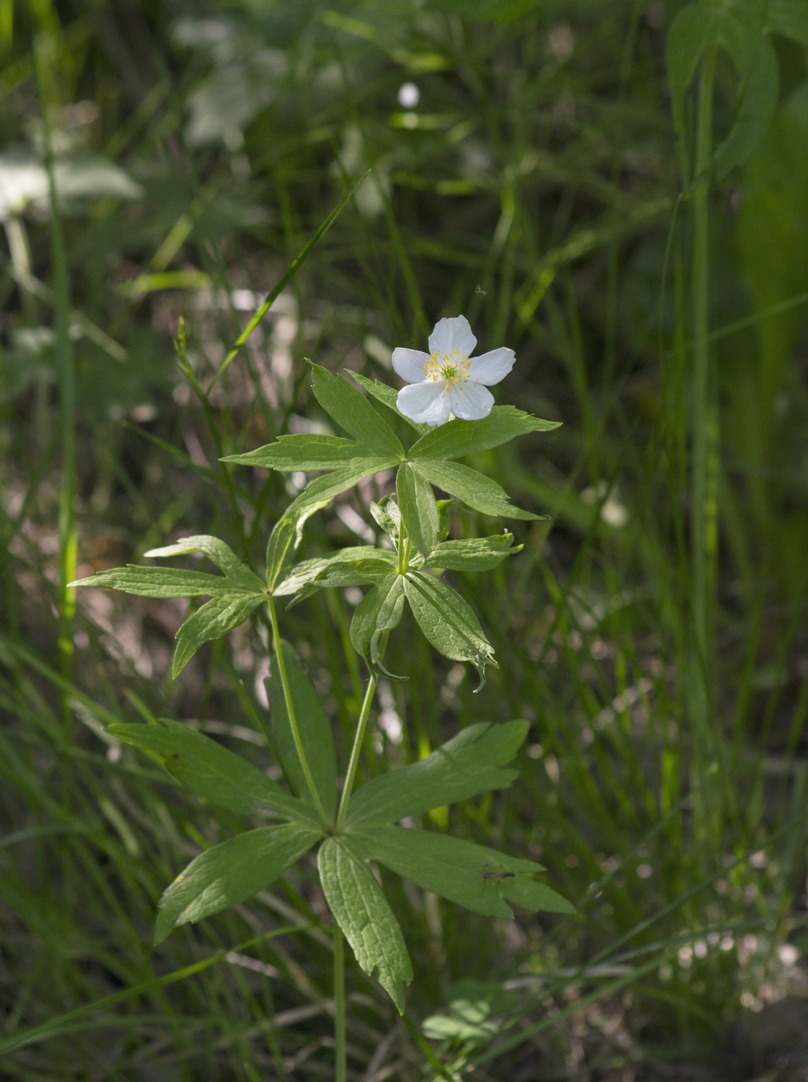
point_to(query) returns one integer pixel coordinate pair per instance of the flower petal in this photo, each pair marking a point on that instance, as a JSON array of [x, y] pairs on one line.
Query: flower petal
[[425, 403], [409, 363], [470, 401], [450, 334], [491, 367]]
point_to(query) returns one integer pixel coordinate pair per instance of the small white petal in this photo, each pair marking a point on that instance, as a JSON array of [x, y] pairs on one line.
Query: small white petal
[[470, 401], [409, 363], [451, 334], [491, 367], [425, 403]]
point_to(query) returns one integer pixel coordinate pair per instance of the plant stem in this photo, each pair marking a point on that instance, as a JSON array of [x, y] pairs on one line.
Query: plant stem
[[353, 762], [340, 1046], [290, 709], [704, 470]]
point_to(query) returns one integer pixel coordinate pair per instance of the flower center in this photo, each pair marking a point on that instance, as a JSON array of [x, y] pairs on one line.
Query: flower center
[[447, 368]]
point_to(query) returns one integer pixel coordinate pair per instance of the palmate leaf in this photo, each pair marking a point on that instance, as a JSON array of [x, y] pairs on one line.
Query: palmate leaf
[[234, 595], [353, 566], [471, 762], [353, 412], [474, 553], [231, 872], [418, 508], [448, 622], [456, 438], [364, 916], [212, 621], [156, 582], [301, 451], [474, 876], [211, 771], [378, 613], [387, 396], [470, 486], [288, 530]]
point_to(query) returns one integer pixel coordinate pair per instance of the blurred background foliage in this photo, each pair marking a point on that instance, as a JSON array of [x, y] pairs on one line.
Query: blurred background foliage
[[520, 167]]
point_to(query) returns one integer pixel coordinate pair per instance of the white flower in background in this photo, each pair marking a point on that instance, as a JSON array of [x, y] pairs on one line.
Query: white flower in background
[[448, 380]]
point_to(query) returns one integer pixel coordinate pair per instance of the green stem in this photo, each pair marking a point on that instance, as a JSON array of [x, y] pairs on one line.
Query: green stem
[[704, 468], [340, 1044], [404, 553], [290, 709], [353, 762]]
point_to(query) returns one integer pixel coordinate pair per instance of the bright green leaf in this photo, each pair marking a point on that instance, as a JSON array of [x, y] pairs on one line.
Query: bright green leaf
[[418, 509], [211, 771], [352, 411], [470, 486], [157, 582], [386, 395], [217, 552], [288, 530], [213, 621], [473, 554], [387, 516], [448, 621], [471, 762], [354, 566], [470, 875], [365, 918], [504, 423], [230, 873], [313, 726], [303, 451], [379, 611]]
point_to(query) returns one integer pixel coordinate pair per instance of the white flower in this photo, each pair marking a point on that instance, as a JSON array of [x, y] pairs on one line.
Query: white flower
[[447, 380]]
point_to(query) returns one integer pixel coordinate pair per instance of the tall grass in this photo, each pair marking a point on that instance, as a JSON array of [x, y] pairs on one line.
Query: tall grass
[[653, 631]]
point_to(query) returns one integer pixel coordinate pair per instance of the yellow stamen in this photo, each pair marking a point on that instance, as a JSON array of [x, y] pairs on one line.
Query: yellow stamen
[[451, 368]]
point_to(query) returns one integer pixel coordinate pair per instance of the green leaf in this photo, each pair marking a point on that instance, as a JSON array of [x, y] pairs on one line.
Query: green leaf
[[231, 872], [218, 553], [365, 918], [789, 18], [354, 566], [473, 554], [386, 395], [467, 874], [379, 611], [470, 486], [756, 64], [418, 509], [698, 27], [317, 494], [471, 762], [213, 621], [157, 582], [314, 728], [504, 423], [694, 28], [211, 771], [474, 1014], [235, 594], [448, 621], [302, 451], [387, 516], [352, 411]]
